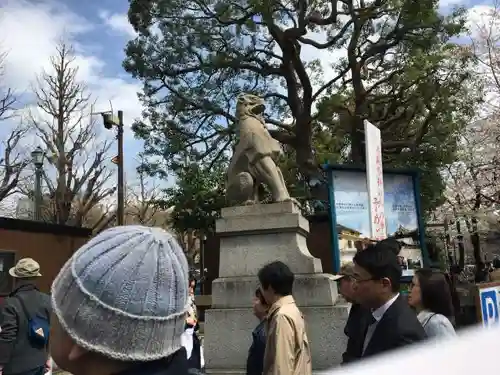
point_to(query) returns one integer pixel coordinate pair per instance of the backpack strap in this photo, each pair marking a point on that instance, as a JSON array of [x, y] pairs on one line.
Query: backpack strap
[[30, 319], [428, 319], [23, 306]]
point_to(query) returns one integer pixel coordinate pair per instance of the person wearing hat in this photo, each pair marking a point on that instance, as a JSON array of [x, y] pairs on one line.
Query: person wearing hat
[[25, 318], [357, 314], [345, 281], [120, 305]]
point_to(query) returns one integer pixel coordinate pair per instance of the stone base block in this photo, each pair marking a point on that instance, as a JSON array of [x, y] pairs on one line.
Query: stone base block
[[246, 255], [228, 337], [252, 236], [308, 290]]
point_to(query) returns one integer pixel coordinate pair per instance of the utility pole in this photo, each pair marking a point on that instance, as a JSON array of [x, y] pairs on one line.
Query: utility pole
[[37, 155], [109, 121], [38, 194], [121, 187]]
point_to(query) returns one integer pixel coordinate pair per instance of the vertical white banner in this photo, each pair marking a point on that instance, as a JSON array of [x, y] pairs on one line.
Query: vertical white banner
[[375, 181]]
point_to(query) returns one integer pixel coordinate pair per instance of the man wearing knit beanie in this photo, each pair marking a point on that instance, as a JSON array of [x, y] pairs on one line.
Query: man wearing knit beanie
[[120, 305]]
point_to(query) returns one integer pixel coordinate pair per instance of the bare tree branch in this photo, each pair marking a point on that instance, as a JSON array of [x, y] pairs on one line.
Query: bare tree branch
[[67, 130], [12, 163], [12, 160], [7, 97], [141, 207]]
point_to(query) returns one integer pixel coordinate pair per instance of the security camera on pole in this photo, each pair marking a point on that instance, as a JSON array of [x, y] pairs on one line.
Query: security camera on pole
[[110, 120]]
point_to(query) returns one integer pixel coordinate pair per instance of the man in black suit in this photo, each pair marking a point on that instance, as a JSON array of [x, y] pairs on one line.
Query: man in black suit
[[389, 322]]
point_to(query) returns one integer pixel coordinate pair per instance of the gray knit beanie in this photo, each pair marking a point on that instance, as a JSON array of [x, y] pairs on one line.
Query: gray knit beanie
[[125, 294]]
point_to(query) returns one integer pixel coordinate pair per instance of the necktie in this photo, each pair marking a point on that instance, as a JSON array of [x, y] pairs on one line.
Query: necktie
[[369, 331], [372, 320]]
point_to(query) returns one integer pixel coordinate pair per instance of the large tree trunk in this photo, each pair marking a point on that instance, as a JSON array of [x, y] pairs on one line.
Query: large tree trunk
[[474, 230], [461, 248], [357, 142], [476, 242], [303, 145]]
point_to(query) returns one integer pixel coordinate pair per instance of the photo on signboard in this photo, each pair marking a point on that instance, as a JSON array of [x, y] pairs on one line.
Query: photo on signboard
[[400, 210]]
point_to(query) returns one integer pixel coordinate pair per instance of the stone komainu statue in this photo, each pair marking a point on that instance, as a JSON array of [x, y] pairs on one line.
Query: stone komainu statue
[[254, 158]]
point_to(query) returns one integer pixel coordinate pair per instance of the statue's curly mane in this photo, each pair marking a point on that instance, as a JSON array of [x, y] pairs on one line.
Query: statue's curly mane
[[245, 105]]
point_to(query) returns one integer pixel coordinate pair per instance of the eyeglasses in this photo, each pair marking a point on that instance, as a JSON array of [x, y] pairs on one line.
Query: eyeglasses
[[358, 280]]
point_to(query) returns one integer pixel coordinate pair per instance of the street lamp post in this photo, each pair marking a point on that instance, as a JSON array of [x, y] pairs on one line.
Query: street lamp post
[[37, 157], [109, 121]]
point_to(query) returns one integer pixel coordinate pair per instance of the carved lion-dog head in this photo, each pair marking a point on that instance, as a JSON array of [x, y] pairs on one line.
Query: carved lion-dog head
[[249, 105]]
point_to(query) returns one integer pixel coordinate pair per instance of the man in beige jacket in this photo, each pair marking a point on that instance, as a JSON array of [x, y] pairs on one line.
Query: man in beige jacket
[[287, 347]]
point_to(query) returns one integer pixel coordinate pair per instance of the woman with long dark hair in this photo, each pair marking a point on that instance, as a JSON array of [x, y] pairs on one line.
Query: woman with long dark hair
[[431, 297]]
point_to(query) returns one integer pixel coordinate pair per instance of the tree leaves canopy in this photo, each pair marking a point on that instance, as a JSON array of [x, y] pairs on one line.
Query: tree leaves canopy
[[195, 56], [196, 198]]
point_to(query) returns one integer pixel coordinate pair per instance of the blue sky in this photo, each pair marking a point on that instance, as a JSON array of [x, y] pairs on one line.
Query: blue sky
[[99, 31]]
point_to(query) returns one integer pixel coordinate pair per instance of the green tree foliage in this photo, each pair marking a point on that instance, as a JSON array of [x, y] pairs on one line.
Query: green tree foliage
[[197, 198], [399, 69], [328, 148], [195, 56]]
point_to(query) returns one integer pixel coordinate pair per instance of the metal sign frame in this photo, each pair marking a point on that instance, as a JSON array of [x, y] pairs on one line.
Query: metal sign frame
[[413, 173]]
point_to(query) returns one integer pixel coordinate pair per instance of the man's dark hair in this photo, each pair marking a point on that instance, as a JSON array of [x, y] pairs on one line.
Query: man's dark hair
[[381, 262], [278, 276], [390, 244]]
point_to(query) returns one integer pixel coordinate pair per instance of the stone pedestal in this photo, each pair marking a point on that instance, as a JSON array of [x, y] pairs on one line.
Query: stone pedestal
[[252, 236]]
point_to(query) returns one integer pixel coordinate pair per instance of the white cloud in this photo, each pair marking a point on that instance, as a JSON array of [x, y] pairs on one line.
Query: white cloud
[[32, 31], [480, 17], [451, 3], [30, 34], [484, 28], [118, 23]]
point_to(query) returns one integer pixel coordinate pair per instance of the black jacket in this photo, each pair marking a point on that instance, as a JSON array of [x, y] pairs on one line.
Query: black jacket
[[194, 362], [398, 327], [176, 364], [17, 355], [355, 329], [255, 361]]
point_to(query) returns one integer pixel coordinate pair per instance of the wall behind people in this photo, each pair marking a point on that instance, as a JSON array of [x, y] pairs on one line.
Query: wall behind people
[[51, 245]]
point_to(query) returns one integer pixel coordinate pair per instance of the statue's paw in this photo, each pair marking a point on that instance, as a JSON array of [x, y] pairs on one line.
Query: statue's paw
[[293, 200], [249, 202]]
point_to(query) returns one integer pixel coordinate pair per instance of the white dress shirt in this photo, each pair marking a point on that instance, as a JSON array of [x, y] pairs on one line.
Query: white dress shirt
[[377, 316]]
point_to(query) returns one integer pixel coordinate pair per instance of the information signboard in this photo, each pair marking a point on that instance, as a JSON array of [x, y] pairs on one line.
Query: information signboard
[[375, 181], [488, 304]]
